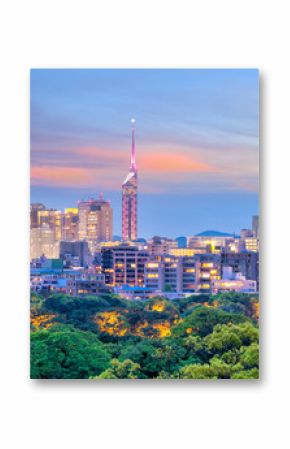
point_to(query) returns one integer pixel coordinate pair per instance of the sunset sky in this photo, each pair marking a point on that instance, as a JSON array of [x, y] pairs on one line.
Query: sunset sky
[[197, 137]]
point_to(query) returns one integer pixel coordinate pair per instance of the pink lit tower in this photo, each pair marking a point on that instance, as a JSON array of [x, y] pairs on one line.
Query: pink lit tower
[[129, 196]]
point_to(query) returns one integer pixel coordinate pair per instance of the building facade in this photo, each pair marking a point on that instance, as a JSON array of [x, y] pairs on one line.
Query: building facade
[[34, 208], [43, 242], [77, 249], [171, 274], [123, 265], [246, 263], [233, 282], [95, 220], [91, 285], [53, 219], [70, 224]]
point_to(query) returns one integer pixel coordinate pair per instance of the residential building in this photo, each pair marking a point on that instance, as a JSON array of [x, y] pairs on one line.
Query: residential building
[[160, 246], [123, 265], [171, 274], [246, 263], [92, 285], [233, 282], [208, 268]]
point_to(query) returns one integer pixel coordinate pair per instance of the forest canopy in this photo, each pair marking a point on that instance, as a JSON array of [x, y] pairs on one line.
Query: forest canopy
[[107, 337]]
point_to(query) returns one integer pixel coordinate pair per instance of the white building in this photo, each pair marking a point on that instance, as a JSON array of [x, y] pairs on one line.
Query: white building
[[233, 282]]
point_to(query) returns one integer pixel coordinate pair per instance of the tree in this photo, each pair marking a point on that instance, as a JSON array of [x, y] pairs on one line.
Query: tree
[[62, 352], [121, 370], [247, 374], [197, 372], [250, 356], [232, 350], [229, 336], [202, 321], [143, 353]]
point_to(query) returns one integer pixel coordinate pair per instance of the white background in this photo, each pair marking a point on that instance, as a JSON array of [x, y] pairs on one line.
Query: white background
[[216, 33]]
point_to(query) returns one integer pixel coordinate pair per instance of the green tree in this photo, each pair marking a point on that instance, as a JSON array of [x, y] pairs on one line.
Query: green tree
[[250, 356], [246, 374], [202, 321], [62, 352], [232, 350], [197, 372], [229, 336], [121, 370]]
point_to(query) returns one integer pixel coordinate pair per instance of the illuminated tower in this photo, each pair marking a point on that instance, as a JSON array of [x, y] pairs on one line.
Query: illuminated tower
[[129, 196]]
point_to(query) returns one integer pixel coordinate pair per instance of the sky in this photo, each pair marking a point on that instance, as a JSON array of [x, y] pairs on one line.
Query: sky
[[197, 144]]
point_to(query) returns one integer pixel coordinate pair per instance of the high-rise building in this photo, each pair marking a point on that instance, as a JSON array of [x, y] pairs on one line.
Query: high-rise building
[[34, 208], [70, 224], [255, 226], [129, 196], [95, 221], [52, 218], [43, 242]]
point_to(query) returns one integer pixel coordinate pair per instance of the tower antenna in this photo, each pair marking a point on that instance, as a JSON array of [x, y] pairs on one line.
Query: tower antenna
[[133, 154]]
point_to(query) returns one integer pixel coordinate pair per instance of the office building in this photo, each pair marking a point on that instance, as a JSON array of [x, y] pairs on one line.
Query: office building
[[53, 219], [95, 221], [70, 224], [34, 208], [43, 242]]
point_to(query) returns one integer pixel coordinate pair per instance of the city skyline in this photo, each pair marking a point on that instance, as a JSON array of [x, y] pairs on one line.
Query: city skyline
[[197, 144]]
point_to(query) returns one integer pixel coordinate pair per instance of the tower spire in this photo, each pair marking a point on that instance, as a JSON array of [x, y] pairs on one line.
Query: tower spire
[[129, 196], [133, 154]]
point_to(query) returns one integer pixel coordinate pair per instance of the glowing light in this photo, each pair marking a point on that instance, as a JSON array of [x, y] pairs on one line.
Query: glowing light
[[42, 320], [158, 307], [111, 323]]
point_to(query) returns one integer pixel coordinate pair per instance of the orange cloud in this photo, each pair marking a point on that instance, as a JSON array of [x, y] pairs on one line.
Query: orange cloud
[[106, 169], [61, 176], [171, 163]]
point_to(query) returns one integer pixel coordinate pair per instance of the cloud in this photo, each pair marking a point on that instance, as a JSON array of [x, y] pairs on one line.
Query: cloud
[[162, 169], [166, 162]]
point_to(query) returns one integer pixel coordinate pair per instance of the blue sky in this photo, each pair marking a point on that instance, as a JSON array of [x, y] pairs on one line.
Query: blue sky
[[197, 136]]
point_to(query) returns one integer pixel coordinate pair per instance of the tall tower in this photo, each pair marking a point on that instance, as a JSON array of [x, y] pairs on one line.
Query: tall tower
[[129, 196]]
